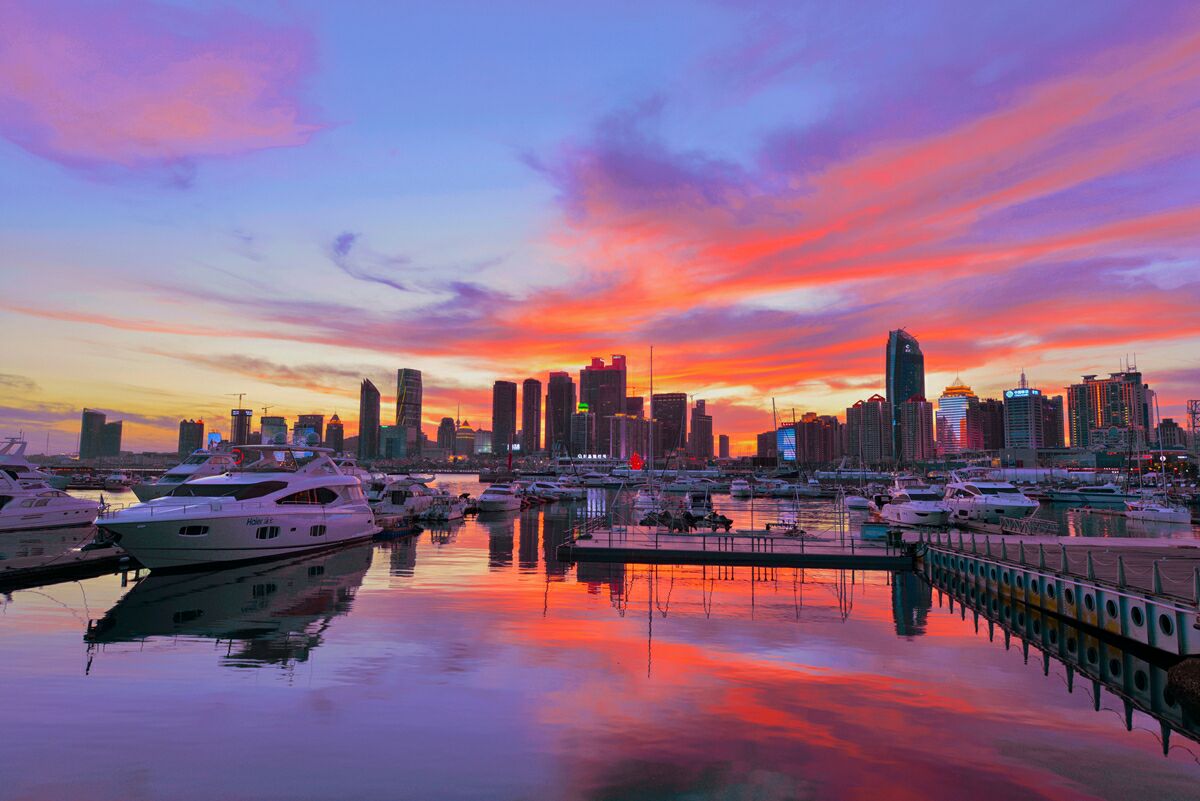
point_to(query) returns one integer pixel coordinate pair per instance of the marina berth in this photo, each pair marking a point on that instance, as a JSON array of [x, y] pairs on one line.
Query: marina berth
[[288, 501]]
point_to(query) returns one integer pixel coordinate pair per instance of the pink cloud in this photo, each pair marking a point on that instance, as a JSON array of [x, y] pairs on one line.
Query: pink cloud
[[134, 86]]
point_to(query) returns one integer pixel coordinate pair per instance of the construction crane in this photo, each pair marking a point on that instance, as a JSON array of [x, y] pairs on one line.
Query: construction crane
[[267, 409], [238, 395]]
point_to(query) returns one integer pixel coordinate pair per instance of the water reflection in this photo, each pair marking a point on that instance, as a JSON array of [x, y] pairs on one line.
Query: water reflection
[[1136, 676], [271, 613], [56, 548]]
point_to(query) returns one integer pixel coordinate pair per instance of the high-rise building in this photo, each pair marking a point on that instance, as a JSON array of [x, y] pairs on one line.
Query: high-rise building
[[766, 447], [393, 442], [408, 407], [504, 416], [916, 431], [1024, 417], [464, 440], [484, 441], [583, 433], [560, 405], [905, 376], [368, 421], [1053, 430], [670, 410], [958, 429], [531, 416], [818, 438], [335, 434], [91, 434], [445, 434], [869, 431], [274, 430], [700, 442], [191, 436], [110, 439], [991, 423], [629, 434], [1170, 434], [723, 446], [636, 406], [1098, 408], [239, 425], [309, 430], [602, 392]]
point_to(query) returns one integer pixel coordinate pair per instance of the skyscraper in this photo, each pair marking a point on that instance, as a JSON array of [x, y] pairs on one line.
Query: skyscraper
[[766, 447], [583, 433], [723, 446], [958, 429], [335, 434], [1053, 435], [916, 431], [531, 416], [560, 405], [1100, 406], [991, 423], [191, 436], [239, 425], [91, 434], [504, 416], [869, 431], [368, 421], [464, 440], [445, 434], [408, 406], [110, 439], [670, 410], [700, 443], [274, 430], [602, 389], [1024, 417], [636, 406], [311, 427], [905, 376]]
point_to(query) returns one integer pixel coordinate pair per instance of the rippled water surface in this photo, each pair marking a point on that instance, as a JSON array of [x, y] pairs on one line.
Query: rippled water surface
[[468, 662]]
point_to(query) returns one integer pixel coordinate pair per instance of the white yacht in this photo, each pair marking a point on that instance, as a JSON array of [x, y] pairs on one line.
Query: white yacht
[[915, 505], [445, 507], [287, 501], [555, 490], [1092, 494], [499, 498], [740, 488], [117, 482], [199, 464], [1157, 511], [857, 502], [13, 462], [398, 501], [977, 499], [27, 505]]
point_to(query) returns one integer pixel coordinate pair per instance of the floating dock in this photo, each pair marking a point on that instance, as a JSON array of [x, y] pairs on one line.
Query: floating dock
[[1143, 590], [648, 545]]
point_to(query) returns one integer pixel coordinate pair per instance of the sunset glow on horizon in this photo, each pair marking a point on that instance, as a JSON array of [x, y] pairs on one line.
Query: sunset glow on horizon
[[281, 199]]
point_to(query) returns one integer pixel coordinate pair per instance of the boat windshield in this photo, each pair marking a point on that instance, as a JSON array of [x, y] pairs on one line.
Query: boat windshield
[[923, 495], [1000, 490], [199, 458], [239, 492]]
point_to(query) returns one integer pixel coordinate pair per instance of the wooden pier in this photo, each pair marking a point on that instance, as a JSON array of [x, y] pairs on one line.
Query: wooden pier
[[648, 545], [1144, 590]]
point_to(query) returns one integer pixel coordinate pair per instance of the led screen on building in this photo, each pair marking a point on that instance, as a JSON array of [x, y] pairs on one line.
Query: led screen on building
[[785, 444]]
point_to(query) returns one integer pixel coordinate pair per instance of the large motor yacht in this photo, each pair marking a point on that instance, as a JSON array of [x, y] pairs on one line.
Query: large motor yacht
[[27, 505], [287, 501], [13, 462], [914, 504], [971, 496], [499, 498], [1109, 494], [200, 464]]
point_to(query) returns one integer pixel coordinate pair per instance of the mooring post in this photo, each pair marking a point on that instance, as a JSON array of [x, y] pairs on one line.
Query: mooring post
[[1196, 584], [1121, 571], [960, 542], [974, 547], [1021, 551], [987, 543], [1062, 549], [1091, 568], [1157, 576], [1041, 556], [1004, 549]]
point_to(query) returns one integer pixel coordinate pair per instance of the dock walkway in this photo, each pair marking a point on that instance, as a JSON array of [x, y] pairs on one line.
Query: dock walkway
[[649, 545]]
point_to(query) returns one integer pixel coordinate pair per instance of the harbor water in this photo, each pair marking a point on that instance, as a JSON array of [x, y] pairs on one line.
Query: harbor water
[[467, 662]]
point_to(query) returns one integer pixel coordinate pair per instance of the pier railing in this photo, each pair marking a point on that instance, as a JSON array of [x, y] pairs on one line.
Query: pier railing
[[657, 538]]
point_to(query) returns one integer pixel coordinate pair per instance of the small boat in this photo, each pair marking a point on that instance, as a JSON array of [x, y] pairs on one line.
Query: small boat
[[740, 488], [445, 507], [856, 502], [1157, 511], [117, 482]]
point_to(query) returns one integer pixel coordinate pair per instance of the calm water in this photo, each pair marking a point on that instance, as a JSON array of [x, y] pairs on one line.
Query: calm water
[[467, 662]]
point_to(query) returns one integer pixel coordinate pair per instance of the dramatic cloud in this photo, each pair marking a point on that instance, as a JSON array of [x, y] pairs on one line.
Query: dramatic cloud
[[17, 383], [137, 85], [340, 250]]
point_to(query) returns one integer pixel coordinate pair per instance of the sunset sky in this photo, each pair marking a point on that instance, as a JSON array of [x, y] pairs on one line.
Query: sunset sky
[[281, 198]]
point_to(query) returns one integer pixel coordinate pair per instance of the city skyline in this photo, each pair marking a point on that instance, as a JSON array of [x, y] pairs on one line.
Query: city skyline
[[273, 207]]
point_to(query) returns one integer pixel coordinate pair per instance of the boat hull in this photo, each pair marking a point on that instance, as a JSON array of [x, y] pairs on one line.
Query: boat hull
[[149, 491], [158, 544], [48, 519], [896, 513], [987, 512]]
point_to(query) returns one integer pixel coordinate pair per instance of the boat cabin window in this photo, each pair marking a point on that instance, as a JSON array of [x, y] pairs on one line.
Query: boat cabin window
[[4, 499], [319, 495], [239, 492], [998, 490], [172, 479], [197, 459]]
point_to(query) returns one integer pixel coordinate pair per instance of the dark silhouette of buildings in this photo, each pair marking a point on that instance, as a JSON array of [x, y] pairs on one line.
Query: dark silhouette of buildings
[[670, 410], [408, 407], [1053, 430], [239, 425], [311, 427], [504, 416], [602, 389], [723, 446], [91, 434], [531, 416], [700, 442], [191, 436], [869, 431], [110, 439], [991, 423], [560, 406], [905, 376], [335, 434], [368, 421], [445, 434]]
